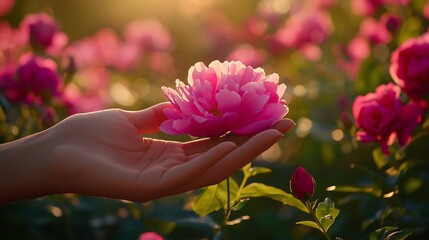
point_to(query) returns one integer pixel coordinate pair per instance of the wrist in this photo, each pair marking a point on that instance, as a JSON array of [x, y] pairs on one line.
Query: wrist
[[21, 168]]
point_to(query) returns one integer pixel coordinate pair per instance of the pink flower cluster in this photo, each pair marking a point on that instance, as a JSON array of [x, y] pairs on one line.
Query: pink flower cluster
[[31, 80], [224, 97], [35, 56], [382, 117]]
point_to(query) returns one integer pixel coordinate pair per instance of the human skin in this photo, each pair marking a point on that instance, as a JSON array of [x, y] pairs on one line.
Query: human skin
[[106, 154]]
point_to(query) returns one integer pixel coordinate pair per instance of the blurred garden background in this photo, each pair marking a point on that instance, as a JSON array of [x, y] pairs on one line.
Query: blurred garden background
[[111, 53]]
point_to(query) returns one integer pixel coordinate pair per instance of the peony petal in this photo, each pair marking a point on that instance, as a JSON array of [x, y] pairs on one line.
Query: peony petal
[[254, 127], [411, 117], [252, 104], [228, 101]]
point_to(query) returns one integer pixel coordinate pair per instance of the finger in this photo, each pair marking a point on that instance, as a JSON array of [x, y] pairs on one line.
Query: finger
[[148, 120], [235, 160], [202, 145], [184, 173]]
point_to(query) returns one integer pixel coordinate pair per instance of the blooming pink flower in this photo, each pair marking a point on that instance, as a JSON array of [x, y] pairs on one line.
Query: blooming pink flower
[[366, 7], [149, 35], [150, 236], [381, 117], [426, 10], [44, 32], [409, 66], [6, 6], [304, 31], [248, 55], [351, 56], [302, 184], [12, 43], [31, 80], [88, 92], [305, 27], [224, 97], [104, 48], [376, 32]]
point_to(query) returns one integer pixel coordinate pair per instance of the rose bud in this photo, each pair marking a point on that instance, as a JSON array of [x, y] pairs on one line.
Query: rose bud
[[302, 184]]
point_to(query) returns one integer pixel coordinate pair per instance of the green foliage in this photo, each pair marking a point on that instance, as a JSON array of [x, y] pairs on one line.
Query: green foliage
[[326, 213], [214, 198], [390, 233], [261, 190]]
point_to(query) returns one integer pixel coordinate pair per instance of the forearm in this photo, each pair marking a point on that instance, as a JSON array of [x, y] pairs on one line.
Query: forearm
[[21, 175]]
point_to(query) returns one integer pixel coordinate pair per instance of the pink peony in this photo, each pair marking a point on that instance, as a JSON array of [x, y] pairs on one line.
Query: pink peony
[[409, 67], [366, 7], [376, 32], [31, 80], [149, 35], [150, 236], [381, 117], [44, 32], [248, 55], [6, 6], [302, 184], [88, 92], [224, 97]]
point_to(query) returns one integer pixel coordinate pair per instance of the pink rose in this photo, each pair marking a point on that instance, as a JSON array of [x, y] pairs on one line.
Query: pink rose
[[381, 117], [44, 32], [150, 236], [6, 6], [33, 79], [224, 97], [409, 67], [302, 184], [376, 32]]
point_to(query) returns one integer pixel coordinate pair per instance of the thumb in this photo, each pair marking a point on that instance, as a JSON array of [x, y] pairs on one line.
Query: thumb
[[148, 120]]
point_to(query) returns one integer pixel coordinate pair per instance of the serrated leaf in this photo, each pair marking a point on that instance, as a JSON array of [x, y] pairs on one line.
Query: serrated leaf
[[214, 197], [258, 170], [309, 224], [326, 213], [261, 190]]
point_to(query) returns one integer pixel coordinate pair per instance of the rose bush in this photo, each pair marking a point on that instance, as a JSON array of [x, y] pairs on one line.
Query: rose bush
[[224, 97]]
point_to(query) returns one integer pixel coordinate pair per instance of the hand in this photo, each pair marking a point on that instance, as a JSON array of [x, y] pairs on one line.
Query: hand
[[104, 154]]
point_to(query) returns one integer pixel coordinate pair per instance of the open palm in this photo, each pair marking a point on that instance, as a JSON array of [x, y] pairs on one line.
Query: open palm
[[104, 154]]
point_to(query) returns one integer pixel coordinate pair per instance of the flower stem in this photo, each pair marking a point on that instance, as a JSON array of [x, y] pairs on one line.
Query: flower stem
[[313, 214], [228, 206]]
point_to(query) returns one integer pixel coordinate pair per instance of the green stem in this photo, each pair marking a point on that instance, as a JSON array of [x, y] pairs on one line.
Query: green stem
[[236, 199], [311, 211], [228, 206]]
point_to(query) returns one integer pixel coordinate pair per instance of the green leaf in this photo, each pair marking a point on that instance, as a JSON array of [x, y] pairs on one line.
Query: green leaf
[[357, 189], [381, 233], [258, 170], [400, 235], [214, 197], [309, 224], [380, 159], [326, 213], [261, 190]]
